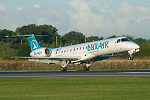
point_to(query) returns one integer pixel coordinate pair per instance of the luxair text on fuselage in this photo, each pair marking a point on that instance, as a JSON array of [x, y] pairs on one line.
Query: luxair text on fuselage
[[97, 46]]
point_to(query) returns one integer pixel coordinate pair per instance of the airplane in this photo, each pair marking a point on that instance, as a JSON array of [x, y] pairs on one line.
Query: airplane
[[80, 53]]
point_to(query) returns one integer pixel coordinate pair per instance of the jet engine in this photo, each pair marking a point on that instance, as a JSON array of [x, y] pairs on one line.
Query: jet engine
[[42, 52]]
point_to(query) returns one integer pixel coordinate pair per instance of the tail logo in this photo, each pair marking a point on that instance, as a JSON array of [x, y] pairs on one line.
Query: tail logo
[[34, 44]]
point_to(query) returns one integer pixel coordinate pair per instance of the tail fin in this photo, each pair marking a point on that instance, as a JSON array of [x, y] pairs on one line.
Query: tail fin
[[32, 40]]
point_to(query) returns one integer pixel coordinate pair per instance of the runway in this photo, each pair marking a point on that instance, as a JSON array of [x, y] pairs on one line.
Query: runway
[[76, 73]]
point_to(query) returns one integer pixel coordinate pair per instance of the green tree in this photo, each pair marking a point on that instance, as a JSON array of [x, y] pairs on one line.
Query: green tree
[[113, 36], [144, 50], [94, 38], [6, 50], [73, 38], [4, 33], [24, 49], [140, 40], [41, 30]]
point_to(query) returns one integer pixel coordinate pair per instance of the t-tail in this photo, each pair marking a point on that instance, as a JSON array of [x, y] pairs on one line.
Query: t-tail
[[34, 45]]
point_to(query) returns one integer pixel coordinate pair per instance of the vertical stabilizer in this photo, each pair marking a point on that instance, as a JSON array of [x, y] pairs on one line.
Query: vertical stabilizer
[[33, 42]]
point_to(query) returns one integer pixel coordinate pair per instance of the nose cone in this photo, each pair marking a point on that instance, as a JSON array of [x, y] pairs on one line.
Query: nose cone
[[132, 45], [135, 46]]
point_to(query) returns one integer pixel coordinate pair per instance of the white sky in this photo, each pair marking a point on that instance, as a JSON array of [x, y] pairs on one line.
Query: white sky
[[91, 17]]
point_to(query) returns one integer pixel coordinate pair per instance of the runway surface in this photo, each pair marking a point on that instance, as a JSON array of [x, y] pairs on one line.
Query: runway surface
[[75, 73]]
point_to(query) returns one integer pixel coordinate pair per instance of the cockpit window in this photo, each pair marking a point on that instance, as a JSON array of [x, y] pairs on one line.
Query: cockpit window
[[124, 39]]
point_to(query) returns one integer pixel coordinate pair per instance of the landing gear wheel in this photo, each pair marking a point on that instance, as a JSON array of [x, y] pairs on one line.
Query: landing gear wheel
[[86, 69], [63, 69], [130, 58]]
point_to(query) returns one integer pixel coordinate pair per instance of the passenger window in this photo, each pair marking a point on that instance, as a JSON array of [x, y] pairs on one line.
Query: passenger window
[[70, 50], [62, 51]]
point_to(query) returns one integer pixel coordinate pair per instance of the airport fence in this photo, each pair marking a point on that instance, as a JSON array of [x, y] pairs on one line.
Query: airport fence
[[30, 66]]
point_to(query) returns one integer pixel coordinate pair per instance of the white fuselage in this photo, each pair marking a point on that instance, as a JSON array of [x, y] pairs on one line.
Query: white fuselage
[[91, 50]]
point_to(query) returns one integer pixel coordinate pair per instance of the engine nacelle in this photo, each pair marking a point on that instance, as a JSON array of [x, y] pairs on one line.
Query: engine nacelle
[[42, 52]]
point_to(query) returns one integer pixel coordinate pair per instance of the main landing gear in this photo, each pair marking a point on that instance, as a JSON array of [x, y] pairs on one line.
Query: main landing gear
[[63, 69], [86, 67], [65, 63], [64, 66]]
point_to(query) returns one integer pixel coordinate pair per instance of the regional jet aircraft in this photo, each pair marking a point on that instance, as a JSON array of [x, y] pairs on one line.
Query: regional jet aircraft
[[79, 53]]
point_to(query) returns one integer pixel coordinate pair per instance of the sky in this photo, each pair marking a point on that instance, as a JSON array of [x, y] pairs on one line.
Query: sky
[[101, 18]]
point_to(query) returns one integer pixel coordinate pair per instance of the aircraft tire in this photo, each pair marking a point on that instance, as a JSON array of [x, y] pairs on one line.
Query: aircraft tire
[[63, 69], [86, 69], [130, 58]]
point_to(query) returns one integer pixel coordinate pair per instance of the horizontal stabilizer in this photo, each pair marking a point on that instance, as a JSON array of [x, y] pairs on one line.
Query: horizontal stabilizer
[[29, 35]]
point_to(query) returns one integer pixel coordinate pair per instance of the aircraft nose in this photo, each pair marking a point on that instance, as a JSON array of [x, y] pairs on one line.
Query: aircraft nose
[[134, 46]]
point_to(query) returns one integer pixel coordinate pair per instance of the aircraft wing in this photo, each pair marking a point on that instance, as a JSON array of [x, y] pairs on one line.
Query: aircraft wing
[[111, 55], [102, 57], [56, 58]]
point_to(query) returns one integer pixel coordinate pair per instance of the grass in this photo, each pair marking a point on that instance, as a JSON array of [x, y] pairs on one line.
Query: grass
[[75, 88]]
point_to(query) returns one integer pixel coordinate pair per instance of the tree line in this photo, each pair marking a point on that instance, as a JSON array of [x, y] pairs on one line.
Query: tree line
[[19, 46]]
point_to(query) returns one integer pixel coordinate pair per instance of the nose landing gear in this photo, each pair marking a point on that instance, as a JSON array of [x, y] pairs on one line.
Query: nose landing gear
[[131, 58], [131, 52]]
